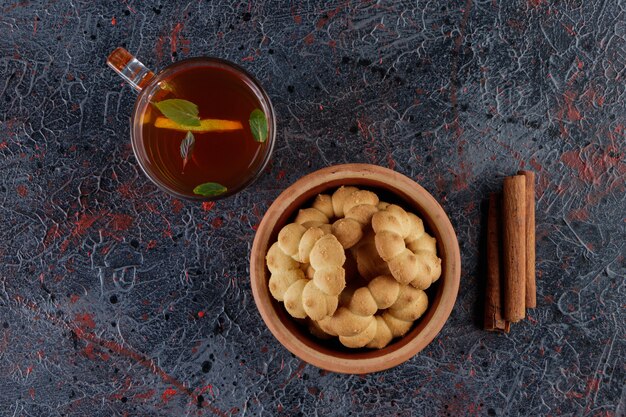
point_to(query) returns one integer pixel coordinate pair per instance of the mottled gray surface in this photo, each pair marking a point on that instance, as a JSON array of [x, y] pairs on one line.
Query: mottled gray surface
[[116, 299]]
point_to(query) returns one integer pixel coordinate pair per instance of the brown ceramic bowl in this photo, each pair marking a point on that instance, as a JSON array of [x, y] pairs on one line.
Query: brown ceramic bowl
[[394, 188]]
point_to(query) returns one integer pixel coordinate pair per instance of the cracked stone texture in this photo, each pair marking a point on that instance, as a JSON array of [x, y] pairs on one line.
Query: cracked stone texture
[[119, 300]]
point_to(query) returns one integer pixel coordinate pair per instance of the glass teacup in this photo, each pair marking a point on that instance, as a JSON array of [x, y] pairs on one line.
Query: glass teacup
[[202, 128]]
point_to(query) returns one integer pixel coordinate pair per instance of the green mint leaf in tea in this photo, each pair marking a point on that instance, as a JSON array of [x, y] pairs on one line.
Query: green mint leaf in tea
[[258, 125], [186, 147], [183, 112], [224, 149], [210, 189]]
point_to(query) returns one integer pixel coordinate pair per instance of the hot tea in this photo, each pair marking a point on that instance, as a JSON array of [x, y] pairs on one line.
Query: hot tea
[[201, 129]]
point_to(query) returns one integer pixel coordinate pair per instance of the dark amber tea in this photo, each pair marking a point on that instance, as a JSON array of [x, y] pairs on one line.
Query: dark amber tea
[[202, 128], [222, 144]]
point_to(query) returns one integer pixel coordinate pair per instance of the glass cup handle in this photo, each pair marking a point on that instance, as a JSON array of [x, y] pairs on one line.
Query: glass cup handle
[[130, 69]]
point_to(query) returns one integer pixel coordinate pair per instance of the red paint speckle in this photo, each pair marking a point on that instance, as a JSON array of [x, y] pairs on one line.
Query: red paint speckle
[[460, 181], [69, 265], [88, 351], [167, 394], [200, 314], [158, 48], [309, 39], [144, 395], [593, 385], [74, 298], [441, 183], [121, 222], [152, 208], [593, 97], [208, 205], [569, 29], [84, 223], [542, 179], [573, 394], [177, 206], [570, 110], [51, 235], [296, 373], [113, 21], [590, 163], [85, 321], [217, 222], [22, 190], [580, 214], [152, 244], [125, 191], [176, 38], [206, 388], [326, 17]]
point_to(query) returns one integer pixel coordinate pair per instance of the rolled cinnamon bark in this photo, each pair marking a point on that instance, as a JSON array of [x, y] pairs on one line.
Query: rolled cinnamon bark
[[514, 247], [531, 285], [493, 319]]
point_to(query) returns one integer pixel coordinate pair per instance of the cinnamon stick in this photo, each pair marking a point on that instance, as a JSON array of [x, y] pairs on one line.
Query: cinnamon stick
[[514, 247], [531, 285], [493, 319]]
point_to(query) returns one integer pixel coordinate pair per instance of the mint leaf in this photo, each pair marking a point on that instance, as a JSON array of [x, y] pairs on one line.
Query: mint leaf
[[186, 147], [258, 125], [180, 111], [210, 189]]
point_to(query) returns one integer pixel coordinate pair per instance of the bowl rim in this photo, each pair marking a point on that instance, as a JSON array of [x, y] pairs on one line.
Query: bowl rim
[[398, 184]]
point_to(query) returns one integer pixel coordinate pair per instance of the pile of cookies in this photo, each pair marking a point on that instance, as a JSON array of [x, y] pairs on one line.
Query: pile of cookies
[[355, 267]]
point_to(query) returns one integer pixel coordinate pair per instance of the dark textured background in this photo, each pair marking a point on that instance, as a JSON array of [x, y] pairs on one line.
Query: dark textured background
[[116, 299]]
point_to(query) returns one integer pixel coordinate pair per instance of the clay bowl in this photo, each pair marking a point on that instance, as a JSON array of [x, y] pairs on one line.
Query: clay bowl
[[394, 188]]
